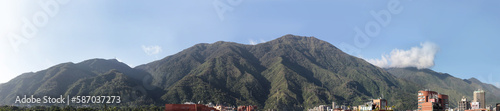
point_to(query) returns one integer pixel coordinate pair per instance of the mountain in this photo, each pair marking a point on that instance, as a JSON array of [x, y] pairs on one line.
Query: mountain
[[444, 83], [90, 77], [289, 72]]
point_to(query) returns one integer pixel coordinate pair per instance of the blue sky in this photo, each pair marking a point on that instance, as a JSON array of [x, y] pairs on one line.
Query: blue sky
[[137, 32]]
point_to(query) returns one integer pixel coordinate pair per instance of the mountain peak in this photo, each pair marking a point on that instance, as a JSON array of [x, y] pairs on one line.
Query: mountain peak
[[290, 37], [474, 80], [100, 60], [295, 39], [103, 65]]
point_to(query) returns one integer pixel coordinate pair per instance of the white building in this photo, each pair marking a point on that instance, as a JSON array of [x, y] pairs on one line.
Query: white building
[[366, 107], [474, 105]]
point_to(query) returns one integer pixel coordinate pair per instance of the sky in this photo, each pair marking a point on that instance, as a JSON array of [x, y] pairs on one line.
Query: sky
[[458, 37]]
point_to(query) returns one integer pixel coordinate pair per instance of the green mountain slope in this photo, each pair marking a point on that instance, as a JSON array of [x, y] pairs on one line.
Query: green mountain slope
[[444, 83], [290, 72], [112, 83], [62, 79]]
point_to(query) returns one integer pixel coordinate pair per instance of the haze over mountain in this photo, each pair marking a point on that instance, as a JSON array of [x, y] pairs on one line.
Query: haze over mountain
[[291, 73]]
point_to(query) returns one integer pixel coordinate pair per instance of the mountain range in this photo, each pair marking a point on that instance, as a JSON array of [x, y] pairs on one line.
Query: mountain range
[[288, 73]]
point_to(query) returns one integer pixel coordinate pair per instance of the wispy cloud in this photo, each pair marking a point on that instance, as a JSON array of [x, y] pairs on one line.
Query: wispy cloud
[[151, 50], [420, 57], [254, 42]]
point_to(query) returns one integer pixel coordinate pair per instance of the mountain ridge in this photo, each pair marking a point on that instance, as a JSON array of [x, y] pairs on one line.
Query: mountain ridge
[[288, 73], [285, 66]]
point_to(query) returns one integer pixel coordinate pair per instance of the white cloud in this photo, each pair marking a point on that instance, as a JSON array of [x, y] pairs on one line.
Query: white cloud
[[420, 57], [254, 42], [151, 50], [380, 62]]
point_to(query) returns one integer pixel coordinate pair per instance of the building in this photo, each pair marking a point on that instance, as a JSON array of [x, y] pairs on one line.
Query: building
[[463, 104], [333, 105], [321, 108], [375, 104], [477, 110], [188, 107], [224, 108], [443, 101], [489, 108], [380, 104], [474, 105], [343, 107], [498, 107], [354, 108], [479, 97], [430, 106], [247, 108], [339, 109], [423, 96], [437, 101], [366, 107]]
